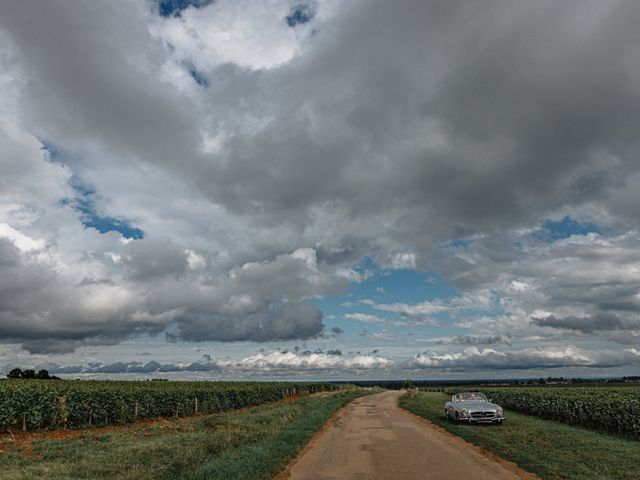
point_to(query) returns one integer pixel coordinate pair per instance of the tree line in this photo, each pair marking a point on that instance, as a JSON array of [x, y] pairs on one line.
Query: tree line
[[31, 374]]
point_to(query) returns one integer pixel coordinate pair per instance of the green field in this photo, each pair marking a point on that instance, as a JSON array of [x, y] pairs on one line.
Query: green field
[[252, 444], [611, 409], [551, 449], [37, 404]]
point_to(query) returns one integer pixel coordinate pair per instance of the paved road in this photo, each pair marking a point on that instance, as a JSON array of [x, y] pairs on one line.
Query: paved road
[[372, 438]]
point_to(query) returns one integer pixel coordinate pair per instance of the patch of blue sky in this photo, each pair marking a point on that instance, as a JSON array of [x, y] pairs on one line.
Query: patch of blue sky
[[58, 154], [552, 231], [173, 8], [384, 287], [405, 285], [198, 77], [84, 202], [459, 243], [301, 14], [52, 150], [367, 264]]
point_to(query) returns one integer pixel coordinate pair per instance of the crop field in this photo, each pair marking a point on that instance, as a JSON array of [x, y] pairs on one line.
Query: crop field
[[550, 449], [31, 405], [253, 443], [610, 409]]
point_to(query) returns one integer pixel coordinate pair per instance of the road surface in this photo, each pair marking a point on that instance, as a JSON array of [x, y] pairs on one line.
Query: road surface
[[372, 438]]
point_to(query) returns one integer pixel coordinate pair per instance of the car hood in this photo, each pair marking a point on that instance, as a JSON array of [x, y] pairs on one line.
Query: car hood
[[482, 405]]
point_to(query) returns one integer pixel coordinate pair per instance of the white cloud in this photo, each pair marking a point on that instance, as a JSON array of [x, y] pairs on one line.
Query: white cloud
[[473, 358], [23, 242], [479, 301], [276, 360], [249, 33], [363, 317], [515, 286], [403, 260]]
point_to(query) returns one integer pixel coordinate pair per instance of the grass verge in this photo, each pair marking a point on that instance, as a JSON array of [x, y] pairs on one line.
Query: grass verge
[[549, 449], [254, 443]]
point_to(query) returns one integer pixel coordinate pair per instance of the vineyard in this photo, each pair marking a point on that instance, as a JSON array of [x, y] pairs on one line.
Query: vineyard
[[31, 405], [610, 409]]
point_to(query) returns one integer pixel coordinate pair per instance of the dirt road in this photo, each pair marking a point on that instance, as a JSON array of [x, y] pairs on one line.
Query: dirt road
[[372, 438]]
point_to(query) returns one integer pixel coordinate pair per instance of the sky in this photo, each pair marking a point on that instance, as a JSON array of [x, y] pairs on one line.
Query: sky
[[320, 189]]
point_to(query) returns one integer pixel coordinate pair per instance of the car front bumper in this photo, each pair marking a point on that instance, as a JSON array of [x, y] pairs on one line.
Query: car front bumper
[[485, 418]]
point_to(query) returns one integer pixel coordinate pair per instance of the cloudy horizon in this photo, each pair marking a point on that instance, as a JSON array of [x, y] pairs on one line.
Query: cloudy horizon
[[320, 189]]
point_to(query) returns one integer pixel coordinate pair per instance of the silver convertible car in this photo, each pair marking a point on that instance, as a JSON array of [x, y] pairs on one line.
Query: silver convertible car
[[473, 407]]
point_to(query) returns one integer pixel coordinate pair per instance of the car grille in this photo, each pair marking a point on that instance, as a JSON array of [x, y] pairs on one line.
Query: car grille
[[483, 415]]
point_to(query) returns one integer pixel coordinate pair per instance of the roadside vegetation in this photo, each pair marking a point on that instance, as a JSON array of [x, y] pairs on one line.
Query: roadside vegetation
[[254, 443], [610, 409], [547, 448], [33, 404]]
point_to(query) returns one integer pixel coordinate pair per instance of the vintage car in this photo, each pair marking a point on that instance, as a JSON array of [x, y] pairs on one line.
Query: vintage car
[[473, 407]]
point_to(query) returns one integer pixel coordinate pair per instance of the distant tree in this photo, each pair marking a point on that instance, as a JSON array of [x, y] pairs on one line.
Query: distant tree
[[31, 374], [15, 373]]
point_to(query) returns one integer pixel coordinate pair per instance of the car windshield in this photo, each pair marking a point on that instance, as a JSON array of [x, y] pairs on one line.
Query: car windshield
[[470, 397]]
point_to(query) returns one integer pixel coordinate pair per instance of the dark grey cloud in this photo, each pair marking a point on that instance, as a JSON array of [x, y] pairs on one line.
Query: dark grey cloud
[[594, 323], [519, 127], [511, 127], [118, 367], [337, 331], [68, 370], [287, 321], [154, 258], [481, 340], [131, 367], [151, 366], [202, 367], [160, 289], [626, 338]]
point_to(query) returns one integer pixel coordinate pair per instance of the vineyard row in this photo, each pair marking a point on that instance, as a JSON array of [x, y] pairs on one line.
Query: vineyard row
[[31, 405]]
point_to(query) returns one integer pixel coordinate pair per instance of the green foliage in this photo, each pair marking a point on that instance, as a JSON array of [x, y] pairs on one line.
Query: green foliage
[[74, 404], [550, 449], [15, 373], [43, 375], [611, 409], [253, 444]]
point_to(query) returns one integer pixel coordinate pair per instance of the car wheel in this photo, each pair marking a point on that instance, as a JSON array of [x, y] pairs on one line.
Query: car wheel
[[457, 418], [446, 413]]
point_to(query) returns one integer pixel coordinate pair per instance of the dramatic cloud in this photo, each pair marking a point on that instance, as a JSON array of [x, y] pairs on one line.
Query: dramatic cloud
[[288, 321], [219, 171]]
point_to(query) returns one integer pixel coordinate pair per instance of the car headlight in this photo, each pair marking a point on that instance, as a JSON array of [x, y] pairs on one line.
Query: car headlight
[[499, 411], [465, 412]]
